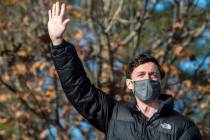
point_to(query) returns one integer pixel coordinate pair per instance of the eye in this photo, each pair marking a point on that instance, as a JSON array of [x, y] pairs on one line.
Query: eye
[[155, 75], [141, 75]]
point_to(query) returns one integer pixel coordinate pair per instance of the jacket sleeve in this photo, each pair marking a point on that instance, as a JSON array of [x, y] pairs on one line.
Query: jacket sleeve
[[191, 133], [89, 101]]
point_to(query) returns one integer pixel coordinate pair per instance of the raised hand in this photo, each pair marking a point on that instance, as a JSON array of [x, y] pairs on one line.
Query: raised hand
[[57, 24]]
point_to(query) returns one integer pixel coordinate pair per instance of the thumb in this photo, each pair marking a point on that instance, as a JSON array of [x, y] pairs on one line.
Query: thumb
[[66, 22]]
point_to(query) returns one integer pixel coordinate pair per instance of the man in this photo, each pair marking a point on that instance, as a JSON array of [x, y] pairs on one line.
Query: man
[[149, 117]]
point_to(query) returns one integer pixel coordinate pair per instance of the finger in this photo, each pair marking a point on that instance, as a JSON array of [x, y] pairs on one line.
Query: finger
[[66, 22], [62, 10], [57, 8], [50, 14], [53, 10]]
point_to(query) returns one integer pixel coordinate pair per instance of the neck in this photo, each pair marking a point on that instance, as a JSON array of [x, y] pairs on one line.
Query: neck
[[149, 108]]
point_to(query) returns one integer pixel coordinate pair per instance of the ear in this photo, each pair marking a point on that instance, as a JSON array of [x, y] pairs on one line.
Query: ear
[[129, 84]]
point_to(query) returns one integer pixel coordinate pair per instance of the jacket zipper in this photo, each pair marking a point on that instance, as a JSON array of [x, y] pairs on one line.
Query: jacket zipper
[[143, 129]]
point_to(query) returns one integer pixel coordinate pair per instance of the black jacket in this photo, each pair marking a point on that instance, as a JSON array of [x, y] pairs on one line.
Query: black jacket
[[118, 120]]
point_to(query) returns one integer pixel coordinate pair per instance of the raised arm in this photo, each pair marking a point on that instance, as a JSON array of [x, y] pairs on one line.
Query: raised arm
[[91, 102]]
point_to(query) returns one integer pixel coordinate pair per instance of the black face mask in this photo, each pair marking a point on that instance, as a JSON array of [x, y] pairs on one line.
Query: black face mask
[[147, 90]]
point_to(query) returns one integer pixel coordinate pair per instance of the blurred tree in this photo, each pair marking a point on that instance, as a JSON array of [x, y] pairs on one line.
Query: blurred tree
[[107, 34]]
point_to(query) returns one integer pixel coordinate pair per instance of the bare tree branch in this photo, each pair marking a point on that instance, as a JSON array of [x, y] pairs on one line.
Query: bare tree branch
[[115, 17]]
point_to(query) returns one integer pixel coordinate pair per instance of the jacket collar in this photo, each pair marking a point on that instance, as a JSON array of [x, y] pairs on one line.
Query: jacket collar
[[166, 105]]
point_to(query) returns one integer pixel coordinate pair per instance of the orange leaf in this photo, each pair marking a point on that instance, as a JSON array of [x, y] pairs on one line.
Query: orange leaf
[[37, 98], [50, 93], [1, 60], [4, 120], [159, 53], [178, 49], [26, 20], [77, 13], [18, 114], [4, 97], [11, 1], [79, 34], [178, 25], [208, 97], [34, 67], [20, 69], [5, 76], [43, 134], [22, 53], [165, 68]]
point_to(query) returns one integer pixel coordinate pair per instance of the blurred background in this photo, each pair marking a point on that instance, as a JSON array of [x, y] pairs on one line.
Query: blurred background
[[107, 34]]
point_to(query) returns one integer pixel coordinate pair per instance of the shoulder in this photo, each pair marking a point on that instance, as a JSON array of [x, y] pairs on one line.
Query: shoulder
[[181, 123], [181, 120], [122, 111], [185, 127]]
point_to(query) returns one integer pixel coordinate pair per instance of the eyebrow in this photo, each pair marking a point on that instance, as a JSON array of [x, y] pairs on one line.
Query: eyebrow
[[156, 72]]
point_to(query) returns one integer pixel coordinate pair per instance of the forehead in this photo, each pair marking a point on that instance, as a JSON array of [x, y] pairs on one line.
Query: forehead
[[146, 67]]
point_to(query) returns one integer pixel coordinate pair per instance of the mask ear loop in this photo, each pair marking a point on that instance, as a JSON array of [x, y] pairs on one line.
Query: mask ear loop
[[133, 90]]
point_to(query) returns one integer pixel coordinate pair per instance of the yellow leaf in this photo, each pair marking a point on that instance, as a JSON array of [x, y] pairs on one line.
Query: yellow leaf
[[38, 89], [40, 82], [20, 69], [204, 105], [188, 83], [68, 7], [43, 65], [181, 93], [26, 138], [2, 132]]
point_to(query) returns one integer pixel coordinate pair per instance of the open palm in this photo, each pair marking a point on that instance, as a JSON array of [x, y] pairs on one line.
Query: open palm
[[56, 24]]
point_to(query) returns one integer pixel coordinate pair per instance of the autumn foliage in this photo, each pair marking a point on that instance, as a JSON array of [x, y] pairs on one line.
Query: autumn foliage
[[107, 34]]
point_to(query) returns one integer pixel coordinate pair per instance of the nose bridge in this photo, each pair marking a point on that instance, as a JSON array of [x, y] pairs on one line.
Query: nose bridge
[[148, 76]]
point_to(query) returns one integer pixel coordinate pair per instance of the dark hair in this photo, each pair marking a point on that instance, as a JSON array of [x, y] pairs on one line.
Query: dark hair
[[141, 59]]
